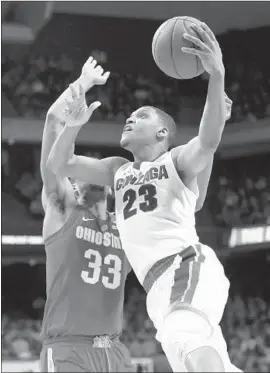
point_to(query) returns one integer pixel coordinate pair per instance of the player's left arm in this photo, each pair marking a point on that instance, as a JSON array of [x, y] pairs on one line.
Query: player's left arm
[[204, 176], [192, 158]]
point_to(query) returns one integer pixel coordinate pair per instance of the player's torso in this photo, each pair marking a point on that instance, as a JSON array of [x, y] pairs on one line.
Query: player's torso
[[154, 211], [86, 272]]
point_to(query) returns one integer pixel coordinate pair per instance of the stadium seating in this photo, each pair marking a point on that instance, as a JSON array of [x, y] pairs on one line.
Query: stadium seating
[[32, 87]]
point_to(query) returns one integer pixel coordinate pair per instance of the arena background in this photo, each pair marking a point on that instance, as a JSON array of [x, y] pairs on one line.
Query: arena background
[[44, 44]]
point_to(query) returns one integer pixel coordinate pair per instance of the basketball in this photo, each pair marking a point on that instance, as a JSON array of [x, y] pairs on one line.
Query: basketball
[[166, 48]]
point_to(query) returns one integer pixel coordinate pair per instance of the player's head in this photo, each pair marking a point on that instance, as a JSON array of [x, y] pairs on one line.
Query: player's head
[[90, 194], [148, 126]]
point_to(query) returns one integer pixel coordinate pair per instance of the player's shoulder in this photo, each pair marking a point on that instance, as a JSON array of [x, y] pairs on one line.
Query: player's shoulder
[[177, 151]]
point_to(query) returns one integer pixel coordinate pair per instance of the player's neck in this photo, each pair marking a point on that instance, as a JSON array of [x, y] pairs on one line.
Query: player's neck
[[148, 153], [100, 210]]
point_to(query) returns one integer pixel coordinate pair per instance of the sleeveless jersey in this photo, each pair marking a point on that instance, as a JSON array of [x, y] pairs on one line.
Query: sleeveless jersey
[[155, 212], [86, 271]]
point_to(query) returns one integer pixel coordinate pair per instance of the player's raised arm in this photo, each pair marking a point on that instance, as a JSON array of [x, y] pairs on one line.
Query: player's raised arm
[[204, 176], [194, 157], [203, 182], [62, 160]]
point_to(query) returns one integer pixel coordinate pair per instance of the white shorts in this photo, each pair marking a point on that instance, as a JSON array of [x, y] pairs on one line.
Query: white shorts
[[195, 279]]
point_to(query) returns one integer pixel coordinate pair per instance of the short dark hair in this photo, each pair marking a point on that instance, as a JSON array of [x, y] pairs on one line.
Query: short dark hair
[[168, 122]]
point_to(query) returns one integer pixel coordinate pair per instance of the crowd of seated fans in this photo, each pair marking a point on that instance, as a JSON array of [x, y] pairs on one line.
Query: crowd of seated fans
[[249, 88], [33, 86], [239, 192], [245, 325]]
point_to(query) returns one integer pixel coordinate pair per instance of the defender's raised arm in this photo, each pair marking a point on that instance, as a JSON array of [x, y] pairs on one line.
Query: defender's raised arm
[[62, 159], [52, 128]]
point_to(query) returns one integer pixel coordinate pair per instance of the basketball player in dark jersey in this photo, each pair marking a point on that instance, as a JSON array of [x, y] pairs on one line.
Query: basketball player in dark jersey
[[86, 270]]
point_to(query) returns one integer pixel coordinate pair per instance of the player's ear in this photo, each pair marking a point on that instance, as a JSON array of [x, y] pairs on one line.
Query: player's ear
[[162, 133]]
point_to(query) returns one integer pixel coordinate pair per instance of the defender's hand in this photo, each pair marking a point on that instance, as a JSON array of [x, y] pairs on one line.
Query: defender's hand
[[92, 74], [228, 107], [56, 111], [207, 49], [76, 112]]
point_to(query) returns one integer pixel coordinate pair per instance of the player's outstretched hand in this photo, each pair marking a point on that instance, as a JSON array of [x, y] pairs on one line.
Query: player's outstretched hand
[[93, 74], [76, 112], [228, 107], [206, 48]]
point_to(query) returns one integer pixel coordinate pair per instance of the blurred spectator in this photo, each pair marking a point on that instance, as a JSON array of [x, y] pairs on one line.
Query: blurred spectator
[[21, 337]]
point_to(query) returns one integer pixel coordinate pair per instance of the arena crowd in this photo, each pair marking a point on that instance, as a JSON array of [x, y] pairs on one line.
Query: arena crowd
[[34, 85], [245, 323]]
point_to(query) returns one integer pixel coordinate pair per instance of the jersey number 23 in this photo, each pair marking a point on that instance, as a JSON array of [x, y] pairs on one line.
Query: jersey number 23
[[146, 197]]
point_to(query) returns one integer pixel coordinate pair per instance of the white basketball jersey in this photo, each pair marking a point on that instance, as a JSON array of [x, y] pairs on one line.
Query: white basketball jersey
[[155, 212]]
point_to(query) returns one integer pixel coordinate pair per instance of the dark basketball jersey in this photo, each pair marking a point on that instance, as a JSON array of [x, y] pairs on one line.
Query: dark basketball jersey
[[86, 272]]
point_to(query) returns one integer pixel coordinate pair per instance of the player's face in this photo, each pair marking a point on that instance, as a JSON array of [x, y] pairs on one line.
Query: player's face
[[140, 129], [91, 194]]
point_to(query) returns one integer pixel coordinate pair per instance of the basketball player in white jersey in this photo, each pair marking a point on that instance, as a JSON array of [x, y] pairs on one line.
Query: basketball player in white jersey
[[156, 198]]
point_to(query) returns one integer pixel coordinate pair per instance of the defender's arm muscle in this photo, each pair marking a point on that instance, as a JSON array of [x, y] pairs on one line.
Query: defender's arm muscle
[[95, 171], [51, 182], [91, 170]]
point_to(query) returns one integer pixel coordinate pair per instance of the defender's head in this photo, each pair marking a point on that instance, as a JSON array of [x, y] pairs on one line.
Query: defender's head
[[148, 126], [90, 194]]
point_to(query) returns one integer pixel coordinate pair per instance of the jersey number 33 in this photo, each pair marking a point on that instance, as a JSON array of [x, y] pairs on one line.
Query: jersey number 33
[[95, 262]]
